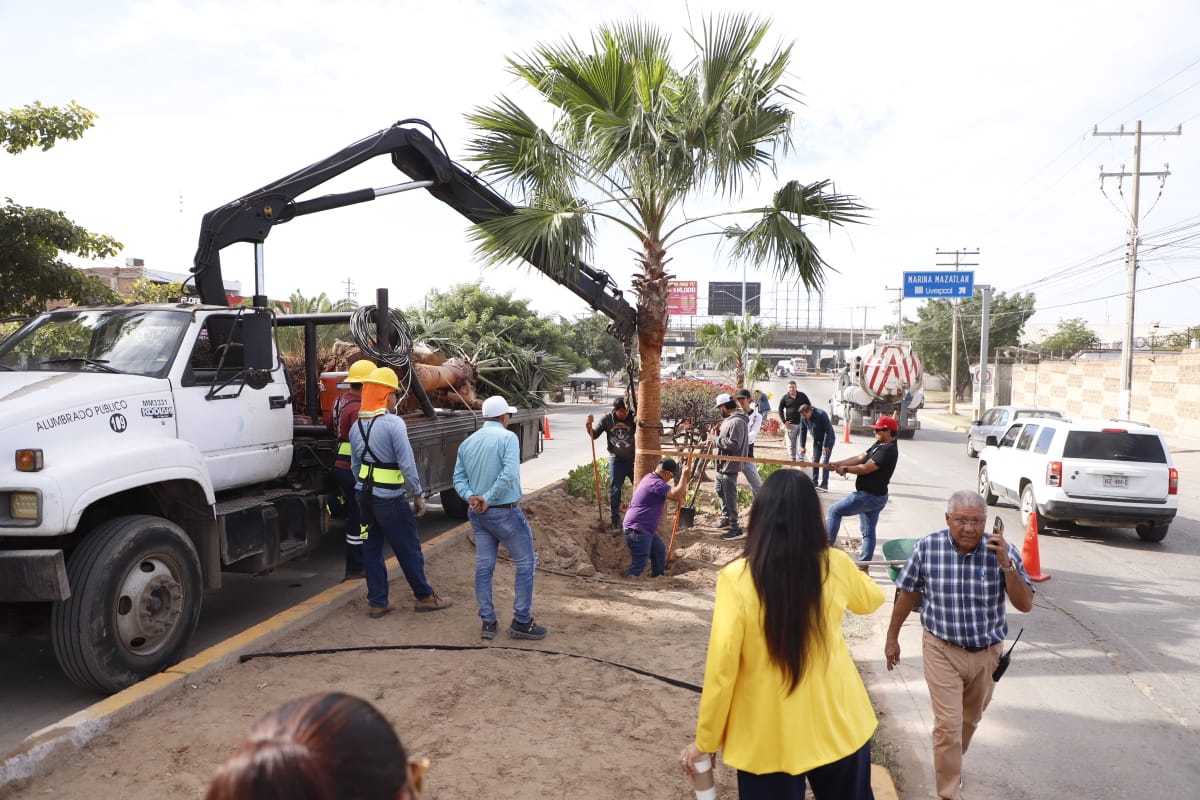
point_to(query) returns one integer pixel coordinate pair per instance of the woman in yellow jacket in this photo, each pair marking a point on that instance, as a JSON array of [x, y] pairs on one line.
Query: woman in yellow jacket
[[782, 699]]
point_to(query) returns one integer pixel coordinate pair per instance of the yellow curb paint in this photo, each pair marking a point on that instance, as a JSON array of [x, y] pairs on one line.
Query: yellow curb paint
[[882, 785]]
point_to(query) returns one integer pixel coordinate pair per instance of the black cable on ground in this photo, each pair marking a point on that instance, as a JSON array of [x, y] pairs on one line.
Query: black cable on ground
[[459, 647]]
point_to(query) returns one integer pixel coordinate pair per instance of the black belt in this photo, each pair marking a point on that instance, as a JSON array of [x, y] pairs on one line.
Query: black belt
[[503, 505], [972, 649]]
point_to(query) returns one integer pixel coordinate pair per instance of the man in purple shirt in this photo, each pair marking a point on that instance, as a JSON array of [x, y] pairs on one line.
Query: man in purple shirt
[[644, 513]]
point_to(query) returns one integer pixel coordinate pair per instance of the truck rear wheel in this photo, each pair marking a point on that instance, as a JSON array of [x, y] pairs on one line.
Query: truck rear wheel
[[135, 599], [454, 506]]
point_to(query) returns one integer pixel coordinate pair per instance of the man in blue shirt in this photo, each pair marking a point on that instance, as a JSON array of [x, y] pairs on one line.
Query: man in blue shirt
[[487, 475], [964, 579], [381, 458], [817, 422]]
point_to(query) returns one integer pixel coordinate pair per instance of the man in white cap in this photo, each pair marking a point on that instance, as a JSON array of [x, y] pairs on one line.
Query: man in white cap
[[487, 475], [730, 439]]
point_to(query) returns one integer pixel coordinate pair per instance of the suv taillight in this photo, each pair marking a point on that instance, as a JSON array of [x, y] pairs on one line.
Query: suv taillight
[[1173, 481], [1054, 473]]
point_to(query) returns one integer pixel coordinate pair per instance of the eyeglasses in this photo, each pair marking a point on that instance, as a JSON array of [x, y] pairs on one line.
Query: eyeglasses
[[969, 522]]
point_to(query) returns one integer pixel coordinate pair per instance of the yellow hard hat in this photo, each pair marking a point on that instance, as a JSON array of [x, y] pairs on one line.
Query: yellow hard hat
[[359, 371], [384, 376]]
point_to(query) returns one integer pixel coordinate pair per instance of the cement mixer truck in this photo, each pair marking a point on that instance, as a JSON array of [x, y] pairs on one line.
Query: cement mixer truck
[[880, 378]]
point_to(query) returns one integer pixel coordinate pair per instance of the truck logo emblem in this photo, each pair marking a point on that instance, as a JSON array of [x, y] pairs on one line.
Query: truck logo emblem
[[117, 423]]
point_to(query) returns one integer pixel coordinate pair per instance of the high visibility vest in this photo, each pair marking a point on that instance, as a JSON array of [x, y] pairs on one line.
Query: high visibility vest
[[384, 474], [344, 449]]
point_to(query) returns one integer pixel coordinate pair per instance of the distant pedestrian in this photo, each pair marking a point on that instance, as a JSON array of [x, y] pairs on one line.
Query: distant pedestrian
[[754, 423], [762, 399], [645, 513], [345, 412], [816, 421], [783, 700], [874, 469], [729, 439], [487, 475], [321, 747], [618, 426], [382, 459], [789, 414], [963, 578]]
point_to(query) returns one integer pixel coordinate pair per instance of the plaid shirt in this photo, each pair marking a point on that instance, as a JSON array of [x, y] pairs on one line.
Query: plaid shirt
[[964, 595]]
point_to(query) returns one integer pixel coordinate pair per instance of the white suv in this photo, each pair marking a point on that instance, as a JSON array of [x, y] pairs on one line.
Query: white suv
[[1115, 474]]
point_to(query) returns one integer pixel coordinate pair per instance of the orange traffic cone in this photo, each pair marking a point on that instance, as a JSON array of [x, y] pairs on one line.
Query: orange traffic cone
[[846, 432], [1029, 551], [546, 427]]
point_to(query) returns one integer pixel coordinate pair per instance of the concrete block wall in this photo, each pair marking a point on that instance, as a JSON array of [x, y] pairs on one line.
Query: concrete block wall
[[1165, 388]]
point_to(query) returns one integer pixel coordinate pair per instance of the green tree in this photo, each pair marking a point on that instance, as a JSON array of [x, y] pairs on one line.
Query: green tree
[[466, 312], [291, 338], [32, 240], [588, 337], [931, 331], [734, 343], [1071, 336], [633, 139], [1185, 338], [147, 291]]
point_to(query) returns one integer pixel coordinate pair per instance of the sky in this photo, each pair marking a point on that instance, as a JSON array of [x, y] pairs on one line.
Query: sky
[[963, 126]]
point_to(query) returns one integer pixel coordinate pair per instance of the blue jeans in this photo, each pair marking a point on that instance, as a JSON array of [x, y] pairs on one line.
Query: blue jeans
[[867, 506], [643, 546], [820, 456], [508, 527], [619, 471], [727, 492], [847, 778], [344, 479], [391, 519]]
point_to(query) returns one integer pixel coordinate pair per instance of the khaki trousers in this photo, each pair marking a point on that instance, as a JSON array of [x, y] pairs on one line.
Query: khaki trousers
[[960, 688]]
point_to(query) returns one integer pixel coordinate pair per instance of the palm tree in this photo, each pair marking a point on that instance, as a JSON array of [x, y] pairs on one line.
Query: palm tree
[[291, 339], [734, 344], [634, 138]]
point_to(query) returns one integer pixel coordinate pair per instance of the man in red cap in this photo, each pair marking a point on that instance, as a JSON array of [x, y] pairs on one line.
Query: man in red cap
[[874, 469]]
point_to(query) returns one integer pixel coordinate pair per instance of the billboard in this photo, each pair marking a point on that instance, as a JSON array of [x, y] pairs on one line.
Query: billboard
[[726, 298], [681, 298]]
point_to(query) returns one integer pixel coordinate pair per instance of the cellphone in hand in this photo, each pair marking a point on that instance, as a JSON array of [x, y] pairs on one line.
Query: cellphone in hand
[[998, 526]]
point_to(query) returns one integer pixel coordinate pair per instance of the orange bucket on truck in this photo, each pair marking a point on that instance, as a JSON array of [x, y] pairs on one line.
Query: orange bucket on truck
[[332, 384]]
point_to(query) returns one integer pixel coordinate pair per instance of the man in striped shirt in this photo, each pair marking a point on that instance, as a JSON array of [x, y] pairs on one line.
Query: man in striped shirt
[[964, 579]]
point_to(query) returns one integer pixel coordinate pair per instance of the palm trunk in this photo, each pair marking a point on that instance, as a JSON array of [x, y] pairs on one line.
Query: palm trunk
[[651, 287]]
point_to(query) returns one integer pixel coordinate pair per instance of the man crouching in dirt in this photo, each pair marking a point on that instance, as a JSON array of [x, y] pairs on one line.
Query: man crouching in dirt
[[645, 512]]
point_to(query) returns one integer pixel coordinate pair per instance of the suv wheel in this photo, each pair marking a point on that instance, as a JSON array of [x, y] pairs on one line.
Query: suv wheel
[[1029, 507], [1152, 531], [985, 487]]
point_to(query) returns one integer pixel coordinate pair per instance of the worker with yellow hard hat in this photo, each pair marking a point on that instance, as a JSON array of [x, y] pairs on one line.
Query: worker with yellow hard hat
[[345, 412], [386, 472]]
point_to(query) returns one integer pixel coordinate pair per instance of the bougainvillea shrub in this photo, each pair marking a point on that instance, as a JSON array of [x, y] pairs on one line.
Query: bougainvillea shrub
[[692, 400]]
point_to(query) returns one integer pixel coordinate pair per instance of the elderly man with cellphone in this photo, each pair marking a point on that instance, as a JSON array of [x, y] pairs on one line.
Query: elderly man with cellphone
[[963, 579]]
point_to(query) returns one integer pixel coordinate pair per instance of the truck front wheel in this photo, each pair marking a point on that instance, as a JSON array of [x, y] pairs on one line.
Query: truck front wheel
[[135, 599]]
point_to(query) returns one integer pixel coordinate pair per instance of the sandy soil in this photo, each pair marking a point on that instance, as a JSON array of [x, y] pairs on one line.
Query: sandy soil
[[563, 717]]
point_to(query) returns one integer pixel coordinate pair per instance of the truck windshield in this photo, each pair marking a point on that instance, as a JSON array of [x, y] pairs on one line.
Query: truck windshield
[[132, 341]]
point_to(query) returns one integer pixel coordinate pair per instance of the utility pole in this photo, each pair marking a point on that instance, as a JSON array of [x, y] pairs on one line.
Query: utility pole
[[899, 313], [1123, 409], [984, 323], [958, 263]]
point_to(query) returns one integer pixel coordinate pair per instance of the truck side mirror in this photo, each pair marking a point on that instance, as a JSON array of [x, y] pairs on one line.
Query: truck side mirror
[[256, 334]]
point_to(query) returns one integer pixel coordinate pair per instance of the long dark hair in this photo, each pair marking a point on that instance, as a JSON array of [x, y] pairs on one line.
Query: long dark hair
[[321, 747], [786, 546]]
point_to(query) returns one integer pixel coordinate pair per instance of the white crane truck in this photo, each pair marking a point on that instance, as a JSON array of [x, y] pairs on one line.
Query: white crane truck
[[150, 447]]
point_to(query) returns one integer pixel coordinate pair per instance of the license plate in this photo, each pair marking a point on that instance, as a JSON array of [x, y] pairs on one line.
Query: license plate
[[1116, 482]]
